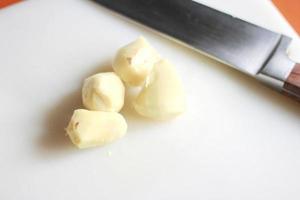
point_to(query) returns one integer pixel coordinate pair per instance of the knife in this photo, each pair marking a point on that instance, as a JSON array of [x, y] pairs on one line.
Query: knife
[[249, 48]]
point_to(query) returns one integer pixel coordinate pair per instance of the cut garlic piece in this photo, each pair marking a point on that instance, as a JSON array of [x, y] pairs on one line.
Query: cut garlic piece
[[134, 62], [162, 96], [95, 128], [103, 92]]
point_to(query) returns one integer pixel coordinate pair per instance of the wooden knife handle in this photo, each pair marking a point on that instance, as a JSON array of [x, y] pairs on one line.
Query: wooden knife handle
[[291, 87]]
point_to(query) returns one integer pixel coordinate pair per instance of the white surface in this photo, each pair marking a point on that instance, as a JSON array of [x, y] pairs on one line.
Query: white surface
[[237, 140]]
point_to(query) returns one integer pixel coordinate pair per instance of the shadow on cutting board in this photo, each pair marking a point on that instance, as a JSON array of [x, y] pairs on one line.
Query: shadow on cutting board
[[55, 139]]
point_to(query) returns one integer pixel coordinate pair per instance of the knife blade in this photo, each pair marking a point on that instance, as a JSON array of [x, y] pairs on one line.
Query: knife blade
[[246, 47]]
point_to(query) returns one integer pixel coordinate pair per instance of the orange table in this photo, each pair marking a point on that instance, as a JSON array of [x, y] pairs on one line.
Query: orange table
[[291, 10], [4, 3]]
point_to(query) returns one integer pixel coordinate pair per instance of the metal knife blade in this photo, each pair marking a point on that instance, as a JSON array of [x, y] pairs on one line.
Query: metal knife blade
[[242, 45]]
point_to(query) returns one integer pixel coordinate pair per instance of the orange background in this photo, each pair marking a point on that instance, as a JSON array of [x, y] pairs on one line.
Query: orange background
[[291, 10], [4, 3]]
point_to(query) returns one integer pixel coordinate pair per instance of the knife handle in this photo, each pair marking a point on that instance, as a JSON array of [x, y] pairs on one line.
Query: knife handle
[[291, 86]]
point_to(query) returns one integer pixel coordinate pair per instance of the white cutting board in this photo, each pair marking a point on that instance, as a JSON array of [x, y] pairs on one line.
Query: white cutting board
[[237, 140]]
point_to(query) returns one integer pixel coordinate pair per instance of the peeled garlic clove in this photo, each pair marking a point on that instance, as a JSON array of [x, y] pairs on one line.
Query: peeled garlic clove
[[95, 128], [134, 62], [103, 92], [162, 96]]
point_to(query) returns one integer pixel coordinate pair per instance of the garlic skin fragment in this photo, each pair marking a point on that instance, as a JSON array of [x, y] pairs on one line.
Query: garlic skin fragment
[[95, 128], [134, 62], [103, 92], [162, 96]]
